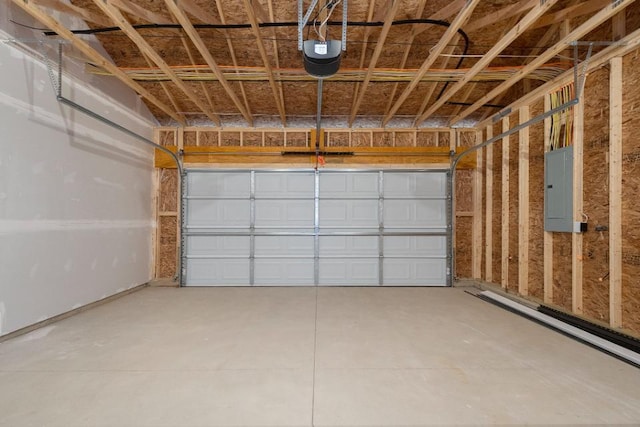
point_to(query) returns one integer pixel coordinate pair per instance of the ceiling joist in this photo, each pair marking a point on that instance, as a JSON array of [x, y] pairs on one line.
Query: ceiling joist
[[276, 55], [407, 50], [505, 13], [74, 11], [96, 57], [232, 52], [257, 8], [374, 58], [571, 12], [167, 92], [443, 14], [363, 52], [458, 22], [195, 10], [206, 54], [114, 13], [486, 59], [203, 86], [433, 86], [597, 19], [141, 12], [265, 59]]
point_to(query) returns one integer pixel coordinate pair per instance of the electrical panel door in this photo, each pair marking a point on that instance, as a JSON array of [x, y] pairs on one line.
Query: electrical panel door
[[558, 190]]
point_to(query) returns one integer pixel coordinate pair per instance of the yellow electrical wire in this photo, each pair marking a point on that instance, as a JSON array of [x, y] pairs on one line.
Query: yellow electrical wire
[[561, 122], [203, 73]]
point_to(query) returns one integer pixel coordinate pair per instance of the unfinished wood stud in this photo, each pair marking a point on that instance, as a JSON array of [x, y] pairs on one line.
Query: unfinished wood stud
[[615, 193], [505, 206], [523, 205]]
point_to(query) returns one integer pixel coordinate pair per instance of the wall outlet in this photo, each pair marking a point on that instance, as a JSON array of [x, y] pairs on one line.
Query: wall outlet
[[579, 227]]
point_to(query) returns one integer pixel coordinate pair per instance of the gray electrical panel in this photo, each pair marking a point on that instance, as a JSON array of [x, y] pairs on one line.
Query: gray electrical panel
[[558, 190]]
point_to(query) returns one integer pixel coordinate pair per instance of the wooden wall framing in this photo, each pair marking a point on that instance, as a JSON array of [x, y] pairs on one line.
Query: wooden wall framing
[[208, 147], [595, 274]]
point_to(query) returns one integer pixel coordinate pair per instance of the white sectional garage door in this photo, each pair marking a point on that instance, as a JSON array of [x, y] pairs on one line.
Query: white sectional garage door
[[305, 228]]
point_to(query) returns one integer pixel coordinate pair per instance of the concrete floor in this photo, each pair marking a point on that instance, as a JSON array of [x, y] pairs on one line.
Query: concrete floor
[[306, 356]]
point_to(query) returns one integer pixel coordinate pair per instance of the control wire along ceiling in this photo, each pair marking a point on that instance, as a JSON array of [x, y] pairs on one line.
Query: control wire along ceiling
[[321, 55]]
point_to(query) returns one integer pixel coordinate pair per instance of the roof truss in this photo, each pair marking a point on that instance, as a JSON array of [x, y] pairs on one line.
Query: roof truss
[[597, 19]]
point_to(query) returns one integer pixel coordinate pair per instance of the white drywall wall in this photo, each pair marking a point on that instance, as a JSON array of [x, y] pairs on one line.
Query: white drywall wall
[[75, 195]]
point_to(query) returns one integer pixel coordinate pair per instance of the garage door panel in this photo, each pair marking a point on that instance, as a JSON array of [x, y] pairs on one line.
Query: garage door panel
[[284, 185], [267, 237], [218, 184], [284, 272], [283, 246], [284, 213], [414, 184], [222, 246], [349, 272], [349, 185], [349, 213], [408, 214], [220, 272], [411, 272], [219, 213], [344, 246], [415, 246]]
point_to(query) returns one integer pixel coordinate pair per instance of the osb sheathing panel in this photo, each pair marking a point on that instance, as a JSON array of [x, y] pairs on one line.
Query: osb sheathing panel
[[562, 270], [536, 203], [382, 139], [168, 43], [463, 247], [338, 139], [230, 139], [630, 192], [464, 192], [167, 137], [166, 262], [595, 285], [209, 139], [190, 138], [362, 140], [497, 205], [168, 190], [404, 139], [514, 149], [427, 139], [252, 139]]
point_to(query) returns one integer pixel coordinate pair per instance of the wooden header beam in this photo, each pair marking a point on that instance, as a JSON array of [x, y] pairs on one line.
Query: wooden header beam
[[303, 155], [460, 19], [486, 59], [96, 57]]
